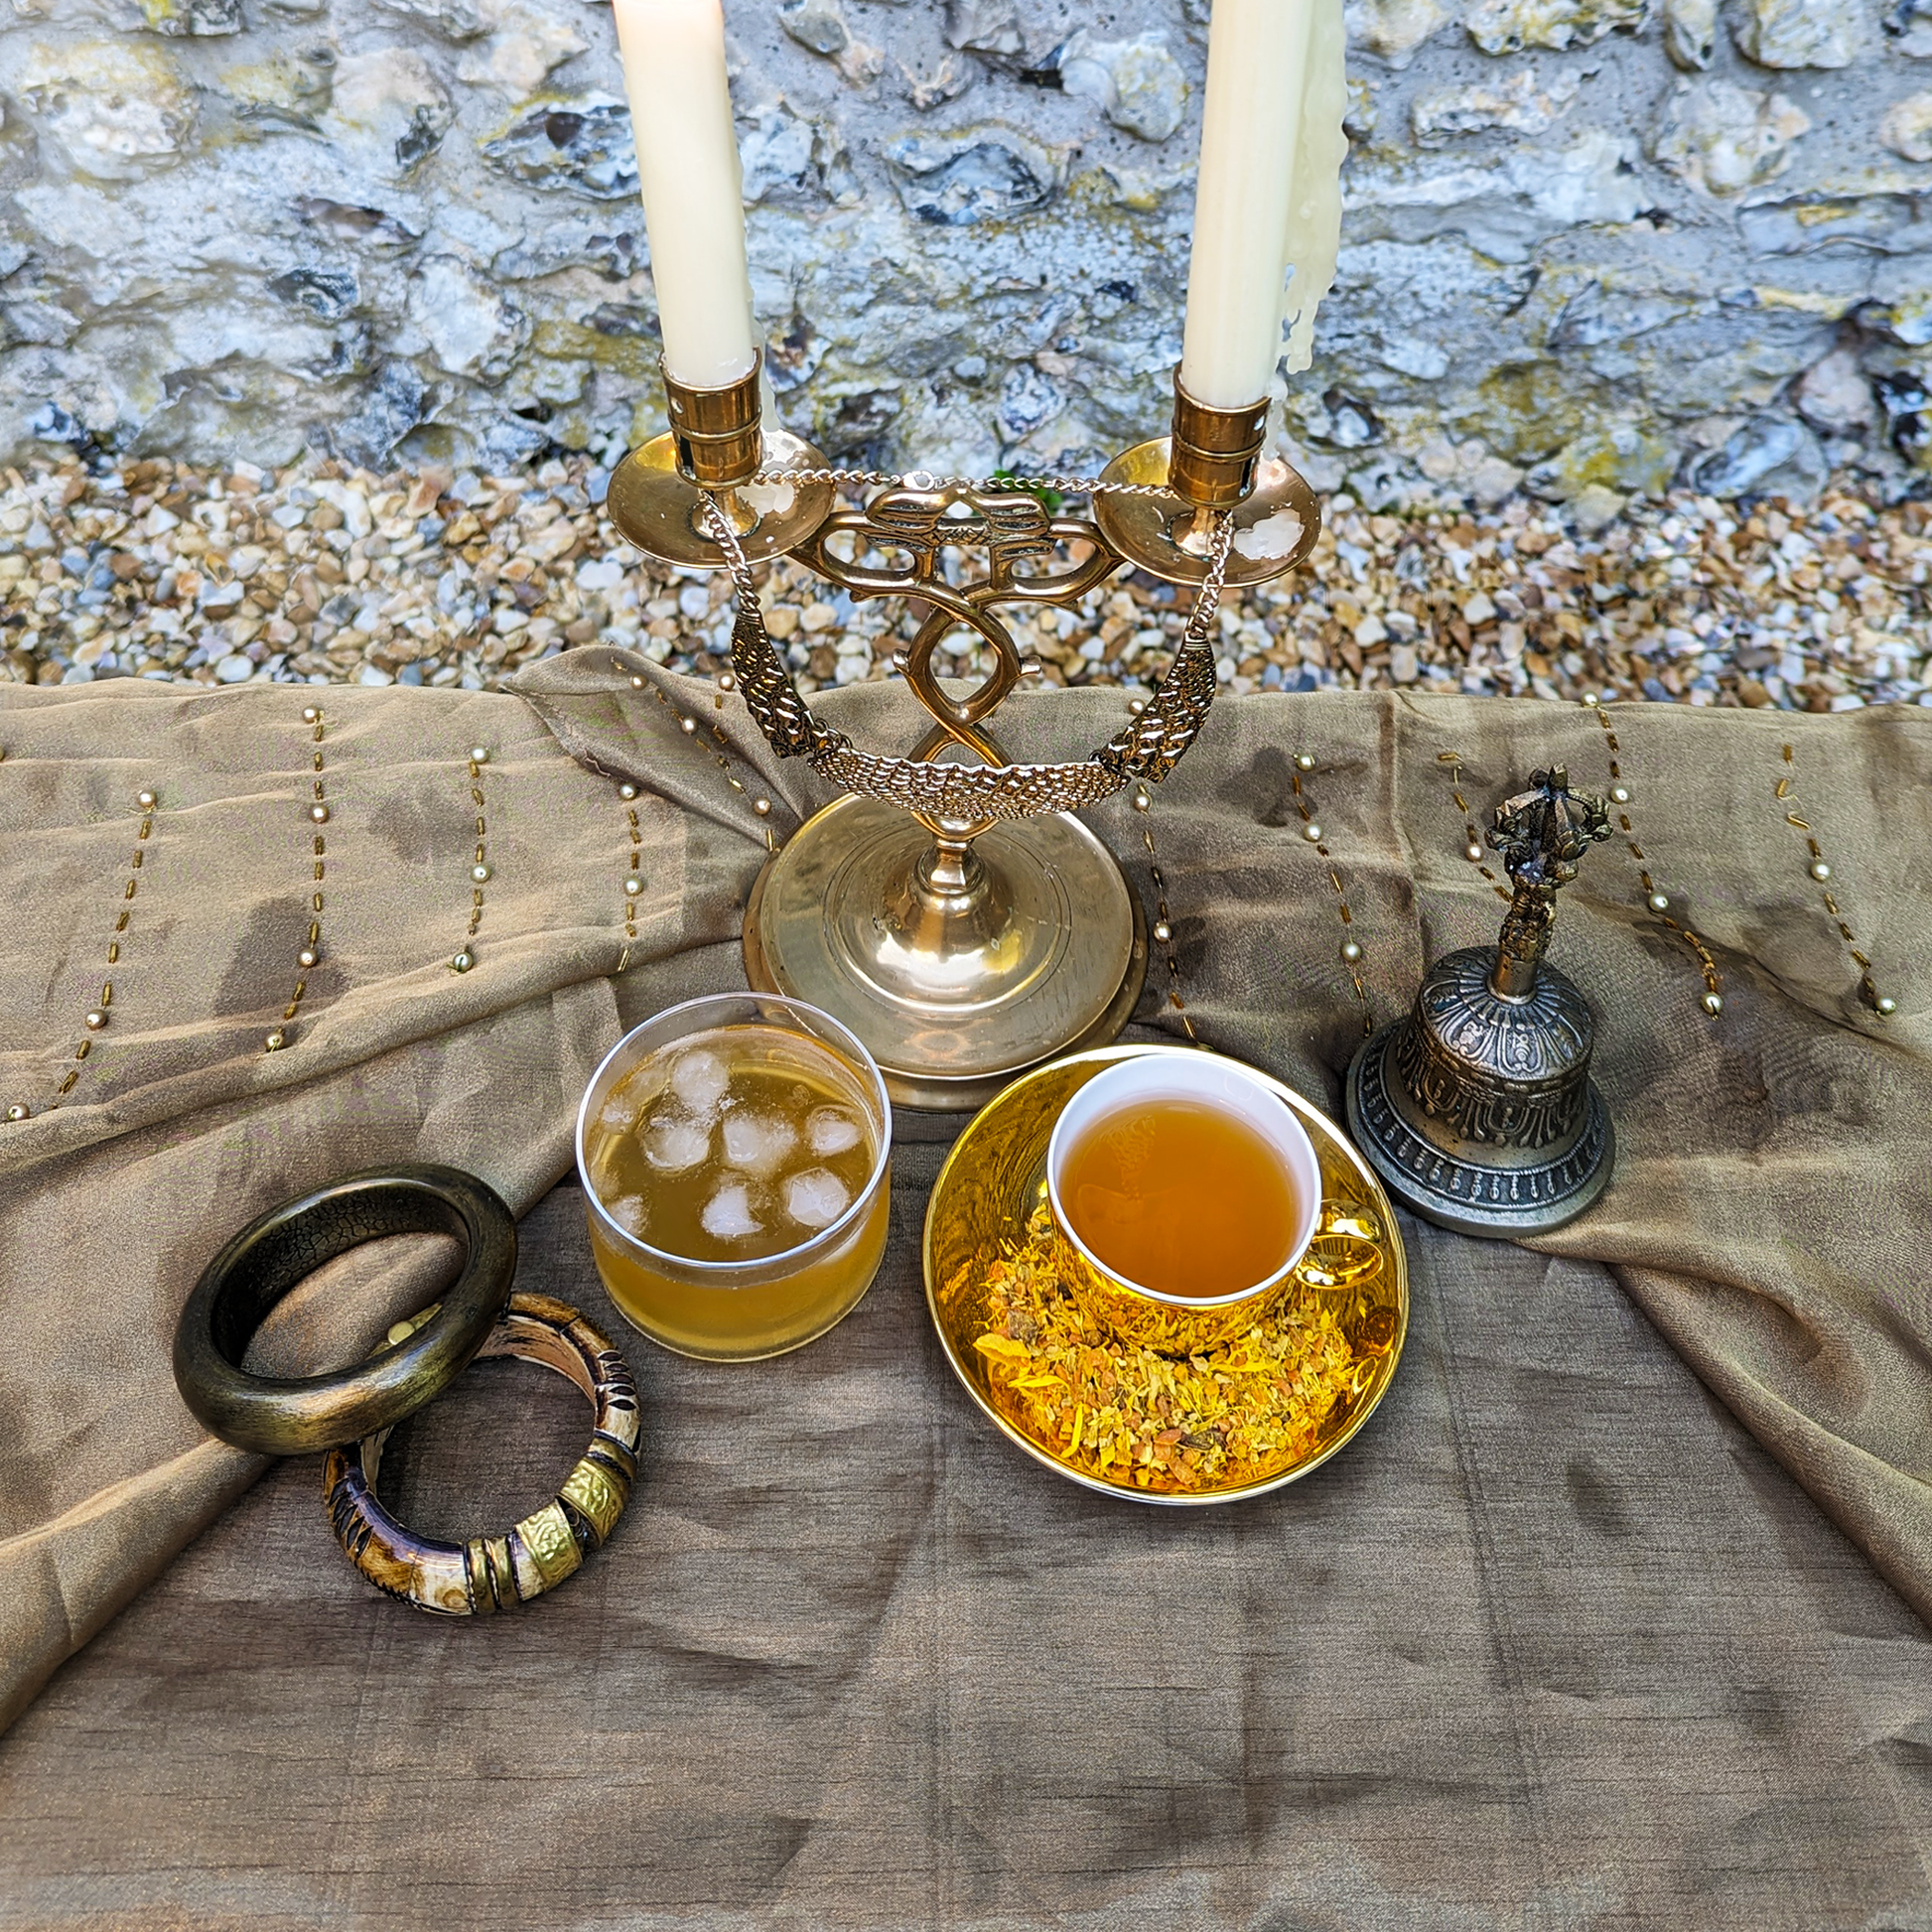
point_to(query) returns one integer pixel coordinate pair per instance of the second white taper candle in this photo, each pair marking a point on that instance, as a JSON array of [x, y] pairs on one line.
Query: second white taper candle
[[1270, 182]]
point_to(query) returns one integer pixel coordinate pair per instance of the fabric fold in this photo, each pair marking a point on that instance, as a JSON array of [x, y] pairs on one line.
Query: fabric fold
[[1767, 1211]]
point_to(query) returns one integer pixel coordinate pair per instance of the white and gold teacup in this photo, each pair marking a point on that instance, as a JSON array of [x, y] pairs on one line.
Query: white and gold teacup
[[1149, 1318]]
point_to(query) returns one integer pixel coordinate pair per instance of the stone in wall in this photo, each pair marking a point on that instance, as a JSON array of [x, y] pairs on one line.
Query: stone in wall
[[1591, 245], [1392, 30], [816, 24], [1723, 139], [1691, 32], [1137, 83], [1510, 26], [1799, 33], [1908, 23], [1906, 128], [1834, 396], [986, 26], [1517, 102], [107, 111]]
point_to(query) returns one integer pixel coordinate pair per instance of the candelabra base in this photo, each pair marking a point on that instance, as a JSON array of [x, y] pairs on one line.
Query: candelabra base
[[959, 965]]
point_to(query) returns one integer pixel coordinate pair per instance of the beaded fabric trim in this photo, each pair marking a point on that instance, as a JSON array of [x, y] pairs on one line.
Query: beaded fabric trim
[[1882, 1004], [311, 953]]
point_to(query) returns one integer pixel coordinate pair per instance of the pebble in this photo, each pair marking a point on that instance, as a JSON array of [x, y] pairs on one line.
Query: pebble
[[161, 570], [1595, 509]]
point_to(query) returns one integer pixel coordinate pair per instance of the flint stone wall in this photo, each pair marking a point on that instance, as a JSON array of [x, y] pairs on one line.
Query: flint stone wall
[[1596, 246]]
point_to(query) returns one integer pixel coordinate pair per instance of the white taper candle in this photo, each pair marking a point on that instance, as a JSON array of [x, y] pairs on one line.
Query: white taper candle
[[1269, 193], [688, 172]]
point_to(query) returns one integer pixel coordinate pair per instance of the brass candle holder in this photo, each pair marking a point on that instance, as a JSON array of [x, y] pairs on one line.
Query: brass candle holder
[[662, 495], [952, 910]]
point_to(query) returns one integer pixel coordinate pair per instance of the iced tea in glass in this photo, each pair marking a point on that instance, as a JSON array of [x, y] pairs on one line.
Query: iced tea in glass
[[734, 1155]]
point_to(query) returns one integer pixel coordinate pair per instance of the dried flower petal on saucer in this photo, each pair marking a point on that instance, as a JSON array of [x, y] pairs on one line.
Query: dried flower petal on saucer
[[1131, 1417]]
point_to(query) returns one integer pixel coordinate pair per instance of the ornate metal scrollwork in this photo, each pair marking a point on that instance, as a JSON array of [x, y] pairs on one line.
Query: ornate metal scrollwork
[[1541, 834], [897, 545]]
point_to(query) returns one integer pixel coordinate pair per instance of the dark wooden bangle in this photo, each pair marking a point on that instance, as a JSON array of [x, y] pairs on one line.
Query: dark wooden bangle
[[488, 1574], [276, 1415]]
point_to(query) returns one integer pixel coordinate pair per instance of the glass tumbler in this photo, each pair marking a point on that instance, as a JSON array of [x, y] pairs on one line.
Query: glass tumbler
[[735, 1154]]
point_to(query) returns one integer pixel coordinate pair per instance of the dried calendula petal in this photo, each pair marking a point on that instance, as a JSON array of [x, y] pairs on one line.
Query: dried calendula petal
[[1238, 1415], [1000, 1345]]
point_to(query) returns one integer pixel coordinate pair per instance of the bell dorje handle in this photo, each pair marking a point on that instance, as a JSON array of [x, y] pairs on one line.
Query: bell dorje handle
[[1541, 834]]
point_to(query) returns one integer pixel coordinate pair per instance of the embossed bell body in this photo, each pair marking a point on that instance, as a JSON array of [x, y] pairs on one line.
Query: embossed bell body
[[1478, 1109]]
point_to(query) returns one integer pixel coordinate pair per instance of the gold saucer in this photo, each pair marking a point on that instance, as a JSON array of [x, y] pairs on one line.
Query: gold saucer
[[995, 1178]]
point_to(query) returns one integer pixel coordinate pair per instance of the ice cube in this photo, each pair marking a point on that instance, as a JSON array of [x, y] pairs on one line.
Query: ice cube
[[699, 1080], [831, 1130], [815, 1198], [674, 1142], [728, 1213], [757, 1142], [617, 1114], [629, 1212]]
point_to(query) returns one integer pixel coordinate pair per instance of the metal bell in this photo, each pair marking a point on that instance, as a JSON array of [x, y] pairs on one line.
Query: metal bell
[[1477, 1110]]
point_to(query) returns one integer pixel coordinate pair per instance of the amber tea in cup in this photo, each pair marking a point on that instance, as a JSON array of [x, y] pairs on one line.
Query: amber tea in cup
[[1183, 1192], [734, 1156], [1181, 1197]]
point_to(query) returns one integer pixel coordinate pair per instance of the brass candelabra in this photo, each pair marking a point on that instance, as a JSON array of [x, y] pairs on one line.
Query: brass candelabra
[[951, 909]]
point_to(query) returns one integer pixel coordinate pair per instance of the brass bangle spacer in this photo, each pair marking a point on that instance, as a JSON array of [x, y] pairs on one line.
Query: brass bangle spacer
[[716, 431], [1215, 451], [290, 1416]]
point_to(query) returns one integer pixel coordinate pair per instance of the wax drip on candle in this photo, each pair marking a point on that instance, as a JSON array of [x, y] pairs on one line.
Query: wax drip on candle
[[1313, 237], [1270, 182]]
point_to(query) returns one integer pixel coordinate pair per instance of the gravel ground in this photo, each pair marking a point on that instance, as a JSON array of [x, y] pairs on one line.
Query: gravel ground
[[323, 574]]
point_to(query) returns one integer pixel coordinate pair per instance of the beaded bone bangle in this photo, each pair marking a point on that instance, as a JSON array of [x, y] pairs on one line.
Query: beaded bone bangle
[[488, 1574]]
